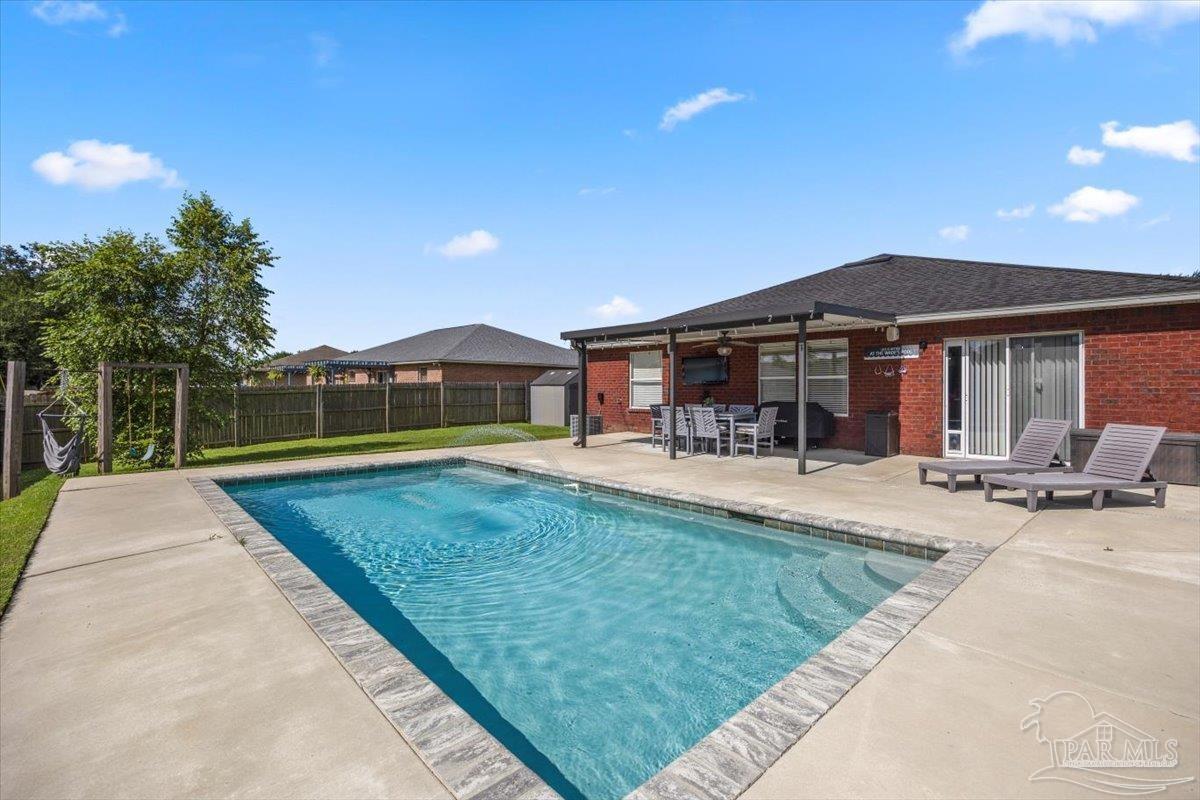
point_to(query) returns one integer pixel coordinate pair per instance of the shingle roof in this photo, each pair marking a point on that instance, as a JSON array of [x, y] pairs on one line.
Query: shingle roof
[[469, 343], [899, 286], [321, 353], [907, 285]]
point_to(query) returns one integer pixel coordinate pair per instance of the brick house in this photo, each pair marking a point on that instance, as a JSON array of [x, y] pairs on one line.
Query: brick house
[[965, 352], [293, 368], [462, 354]]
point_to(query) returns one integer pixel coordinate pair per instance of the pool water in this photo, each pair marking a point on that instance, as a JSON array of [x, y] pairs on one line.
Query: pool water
[[597, 638]]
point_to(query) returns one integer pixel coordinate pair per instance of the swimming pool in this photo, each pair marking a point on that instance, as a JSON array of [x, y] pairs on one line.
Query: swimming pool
[[596, 637]]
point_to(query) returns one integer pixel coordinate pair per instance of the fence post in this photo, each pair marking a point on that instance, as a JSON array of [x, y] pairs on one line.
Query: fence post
[[14, 429], [442, 404], [319, 410], [182, 376], [237, 425], [387, 407], [497, 402], [527, 398], [104, 439]]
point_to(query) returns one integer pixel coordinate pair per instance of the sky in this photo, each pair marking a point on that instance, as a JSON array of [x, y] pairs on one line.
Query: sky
[[547, 167]]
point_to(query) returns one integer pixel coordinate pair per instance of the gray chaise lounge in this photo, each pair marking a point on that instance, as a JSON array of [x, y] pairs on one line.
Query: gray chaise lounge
[[1119, 462], [1032, 453]]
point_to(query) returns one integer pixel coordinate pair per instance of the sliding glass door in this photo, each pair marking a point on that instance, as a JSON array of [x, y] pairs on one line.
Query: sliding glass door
[[1045, 382], [993, 387]]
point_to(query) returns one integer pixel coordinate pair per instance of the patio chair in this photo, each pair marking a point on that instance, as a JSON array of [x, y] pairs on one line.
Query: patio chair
[[755, 432], [1033, 453], [705, 428], [683, 427], [657, 431], [1119, 461], [718, 407], [736, 409]]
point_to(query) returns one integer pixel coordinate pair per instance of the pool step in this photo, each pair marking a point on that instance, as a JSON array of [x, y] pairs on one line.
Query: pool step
[[892, 571], [806, 599]]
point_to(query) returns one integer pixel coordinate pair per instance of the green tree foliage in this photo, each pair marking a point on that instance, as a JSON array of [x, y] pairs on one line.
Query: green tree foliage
[[199, 301], [22, 274]]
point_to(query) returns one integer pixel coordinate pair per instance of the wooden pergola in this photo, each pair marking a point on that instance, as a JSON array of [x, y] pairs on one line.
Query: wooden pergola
[[104, 416]]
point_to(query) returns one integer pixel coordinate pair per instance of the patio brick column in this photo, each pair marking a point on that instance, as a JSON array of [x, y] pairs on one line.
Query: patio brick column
[[801, 396], [670, 391]]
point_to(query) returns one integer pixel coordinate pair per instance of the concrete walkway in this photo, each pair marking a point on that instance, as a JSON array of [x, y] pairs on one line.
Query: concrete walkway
[[146, 655]]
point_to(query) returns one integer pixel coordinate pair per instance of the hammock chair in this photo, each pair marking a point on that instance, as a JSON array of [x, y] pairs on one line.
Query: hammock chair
[[61, 459]]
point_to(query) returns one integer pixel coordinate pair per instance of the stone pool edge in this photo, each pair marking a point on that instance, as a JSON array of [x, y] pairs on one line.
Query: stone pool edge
[[720, 766], [461, 753]]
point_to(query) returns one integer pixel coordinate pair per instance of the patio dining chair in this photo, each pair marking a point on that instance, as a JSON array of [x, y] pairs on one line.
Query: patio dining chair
[[755, 432], [718, 407], [657, 429], [736, 409], [705, 428], [683, 428]]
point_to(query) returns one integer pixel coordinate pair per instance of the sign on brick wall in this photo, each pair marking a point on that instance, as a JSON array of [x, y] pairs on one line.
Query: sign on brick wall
[[891, 352]]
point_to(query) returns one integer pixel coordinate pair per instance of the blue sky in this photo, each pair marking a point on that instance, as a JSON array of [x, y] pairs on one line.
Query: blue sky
[[362, 139]]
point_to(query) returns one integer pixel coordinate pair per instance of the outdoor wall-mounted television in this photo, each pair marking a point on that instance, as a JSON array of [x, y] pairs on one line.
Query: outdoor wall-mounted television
[[705, 370]]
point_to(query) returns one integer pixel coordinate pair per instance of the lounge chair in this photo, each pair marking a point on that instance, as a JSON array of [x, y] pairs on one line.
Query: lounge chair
[[1033, 453], [1119, 461]]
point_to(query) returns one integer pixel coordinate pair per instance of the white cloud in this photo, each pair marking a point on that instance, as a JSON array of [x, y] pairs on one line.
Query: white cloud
[[617, 307], [467, 245], [94, 165], [1089, 204], [686, 109], [1177, 140], [1068, 20], [1083, 157], [75, 12], [324, 49], [1020, 212], [955, 233], [629, 133], [596, 190], [1159, 220]]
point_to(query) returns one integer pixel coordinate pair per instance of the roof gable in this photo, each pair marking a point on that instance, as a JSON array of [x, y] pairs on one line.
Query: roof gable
[[468, 343], [319, 353]]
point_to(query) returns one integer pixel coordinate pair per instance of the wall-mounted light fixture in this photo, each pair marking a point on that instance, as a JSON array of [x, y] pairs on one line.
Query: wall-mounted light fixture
[[600, 398], [891, 333]]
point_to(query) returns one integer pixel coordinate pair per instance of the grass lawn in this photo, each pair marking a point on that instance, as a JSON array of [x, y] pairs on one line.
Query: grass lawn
[[21, 520]]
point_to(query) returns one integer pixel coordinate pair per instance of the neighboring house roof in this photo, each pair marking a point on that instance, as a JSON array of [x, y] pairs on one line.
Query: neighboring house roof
[[909, 286], [475, 344], [299, 360], [555, 377]]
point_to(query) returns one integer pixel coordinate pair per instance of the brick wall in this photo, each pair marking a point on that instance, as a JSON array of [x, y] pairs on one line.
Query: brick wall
[[1141, 366]]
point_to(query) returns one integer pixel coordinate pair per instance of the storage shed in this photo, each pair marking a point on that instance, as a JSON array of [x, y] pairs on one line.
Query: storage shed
[[554, 397]]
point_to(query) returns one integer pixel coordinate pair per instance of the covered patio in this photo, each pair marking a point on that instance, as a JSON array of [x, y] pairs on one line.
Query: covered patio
[[724, 331]]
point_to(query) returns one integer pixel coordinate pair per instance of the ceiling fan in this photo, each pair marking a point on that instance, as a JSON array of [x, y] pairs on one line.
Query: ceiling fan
[[725, 344]]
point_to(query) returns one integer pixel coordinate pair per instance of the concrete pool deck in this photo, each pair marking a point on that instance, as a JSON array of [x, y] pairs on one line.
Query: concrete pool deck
[[146, 655]]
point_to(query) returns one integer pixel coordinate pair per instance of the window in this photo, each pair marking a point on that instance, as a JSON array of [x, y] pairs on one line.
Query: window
[[422, 374], [645, 378], [828, 373]]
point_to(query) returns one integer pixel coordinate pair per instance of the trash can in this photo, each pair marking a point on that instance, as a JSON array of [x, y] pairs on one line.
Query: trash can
[[883, 433]]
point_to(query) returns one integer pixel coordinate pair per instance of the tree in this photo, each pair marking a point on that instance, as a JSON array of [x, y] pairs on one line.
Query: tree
[[316, 373], [126, 298], [22, 275]]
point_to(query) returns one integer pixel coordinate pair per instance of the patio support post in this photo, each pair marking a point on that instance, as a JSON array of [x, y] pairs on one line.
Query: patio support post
[[14, 428], [582, 440], [801, 396], [671, 390]]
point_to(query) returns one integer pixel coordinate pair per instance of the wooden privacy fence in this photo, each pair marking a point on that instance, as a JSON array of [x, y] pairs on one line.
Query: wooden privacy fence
[[255, 414]]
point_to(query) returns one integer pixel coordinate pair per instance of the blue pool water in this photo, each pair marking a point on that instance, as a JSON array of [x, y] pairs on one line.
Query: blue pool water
[[597, 638]]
